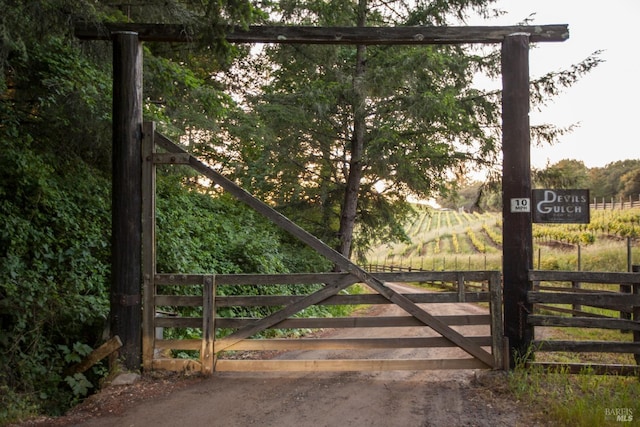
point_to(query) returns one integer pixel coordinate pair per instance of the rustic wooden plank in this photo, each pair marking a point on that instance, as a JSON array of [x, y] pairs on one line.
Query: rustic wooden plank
[[346, 365], [178, 365], [207, 355], [96, 355], [179, 279], [366, 299], [280, 279], [311, 278], [539, 307], [338, 259], [595, 368], [328, 322], [277, 300], [282, 344], [583, 276], [601, 299], [330, 35], [587, 346], [148, 244], [190, 344], [178, 300], [584, 322], [170, 159], [460, 285], [497, 325]]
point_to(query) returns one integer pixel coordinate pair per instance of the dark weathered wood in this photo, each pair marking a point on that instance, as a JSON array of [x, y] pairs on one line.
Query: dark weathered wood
[[207, 354], [325, 322], [604, 299], [636, 309], [346, 365], [583, 322], [583, 276], [348, 344], [179, 365], [126, 250], [338, 259], [96, 355], [309, 278], [540, 307], [587, 346], [148, 245], [497, 327], [170, 159], [277, 300], [331, 35], [517, 246]]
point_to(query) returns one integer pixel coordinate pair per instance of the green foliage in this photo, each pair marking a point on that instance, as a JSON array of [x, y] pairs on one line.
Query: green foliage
[[55, 155]]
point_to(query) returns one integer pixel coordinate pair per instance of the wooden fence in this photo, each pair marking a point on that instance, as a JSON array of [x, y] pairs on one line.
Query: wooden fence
[[612, 203], [223, 294], [591, 300]]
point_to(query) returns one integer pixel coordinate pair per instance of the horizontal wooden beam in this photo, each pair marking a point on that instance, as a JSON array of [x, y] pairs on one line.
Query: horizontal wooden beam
[[330, 35], [584, 322], [284, 344], [345, 365], [278, 300], [325, 322], [311, 278], [603, 299], [587, 346], [583, 276]]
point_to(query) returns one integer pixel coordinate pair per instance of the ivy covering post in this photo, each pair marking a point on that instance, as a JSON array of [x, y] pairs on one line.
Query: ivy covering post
[[126, 275]]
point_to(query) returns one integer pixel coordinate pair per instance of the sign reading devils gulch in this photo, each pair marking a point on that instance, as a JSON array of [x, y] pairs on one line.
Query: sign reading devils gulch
[[561, 206]]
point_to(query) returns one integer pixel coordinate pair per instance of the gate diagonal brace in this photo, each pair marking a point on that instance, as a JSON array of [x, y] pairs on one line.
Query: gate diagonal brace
[[345, 264]]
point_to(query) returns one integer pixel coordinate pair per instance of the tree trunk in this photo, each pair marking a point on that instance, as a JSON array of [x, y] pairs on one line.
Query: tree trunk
[[352, 190]]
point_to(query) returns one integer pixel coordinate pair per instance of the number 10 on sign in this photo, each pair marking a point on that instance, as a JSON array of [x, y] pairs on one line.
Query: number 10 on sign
[[520, 205]]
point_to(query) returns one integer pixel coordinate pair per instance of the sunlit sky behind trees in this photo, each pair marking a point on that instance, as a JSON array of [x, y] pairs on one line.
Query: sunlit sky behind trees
[[604, 102]]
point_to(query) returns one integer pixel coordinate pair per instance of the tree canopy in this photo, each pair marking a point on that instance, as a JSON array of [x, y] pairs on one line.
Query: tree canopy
[[335, 136]]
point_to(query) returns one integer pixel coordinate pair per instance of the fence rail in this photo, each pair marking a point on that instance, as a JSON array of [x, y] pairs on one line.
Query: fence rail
[[588, 300], [211, 325], [612, 203]]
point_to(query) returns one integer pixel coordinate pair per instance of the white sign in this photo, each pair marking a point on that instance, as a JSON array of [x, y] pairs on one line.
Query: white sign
[[520, 205]]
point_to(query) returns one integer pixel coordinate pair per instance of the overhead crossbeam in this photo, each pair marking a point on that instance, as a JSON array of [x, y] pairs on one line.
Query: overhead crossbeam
[[330, 35]]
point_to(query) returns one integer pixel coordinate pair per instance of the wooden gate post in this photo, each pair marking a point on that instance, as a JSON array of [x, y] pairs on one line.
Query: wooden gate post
[[516, 194], [126, 246]]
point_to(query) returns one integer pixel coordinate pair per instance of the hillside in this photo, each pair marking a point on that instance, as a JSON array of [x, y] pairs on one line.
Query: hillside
[[446, 240]]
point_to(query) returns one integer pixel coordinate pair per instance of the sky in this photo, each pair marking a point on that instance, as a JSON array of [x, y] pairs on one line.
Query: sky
[[605, 102]]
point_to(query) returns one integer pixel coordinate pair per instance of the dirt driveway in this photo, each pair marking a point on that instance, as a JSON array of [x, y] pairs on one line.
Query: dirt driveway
[[367, 399]]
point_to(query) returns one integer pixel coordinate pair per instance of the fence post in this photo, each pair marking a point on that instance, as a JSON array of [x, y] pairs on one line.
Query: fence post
[[627, 288], [126, 224], [461, 296], [148, 245], [497, 329], [517, 247], [207, 355], [636, 312]]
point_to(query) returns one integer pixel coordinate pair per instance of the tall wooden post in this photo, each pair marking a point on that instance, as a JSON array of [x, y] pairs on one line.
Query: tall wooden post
[[516, 193], [126, 247]]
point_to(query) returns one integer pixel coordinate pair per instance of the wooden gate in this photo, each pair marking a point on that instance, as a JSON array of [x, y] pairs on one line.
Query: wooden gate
[[484, 351]]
